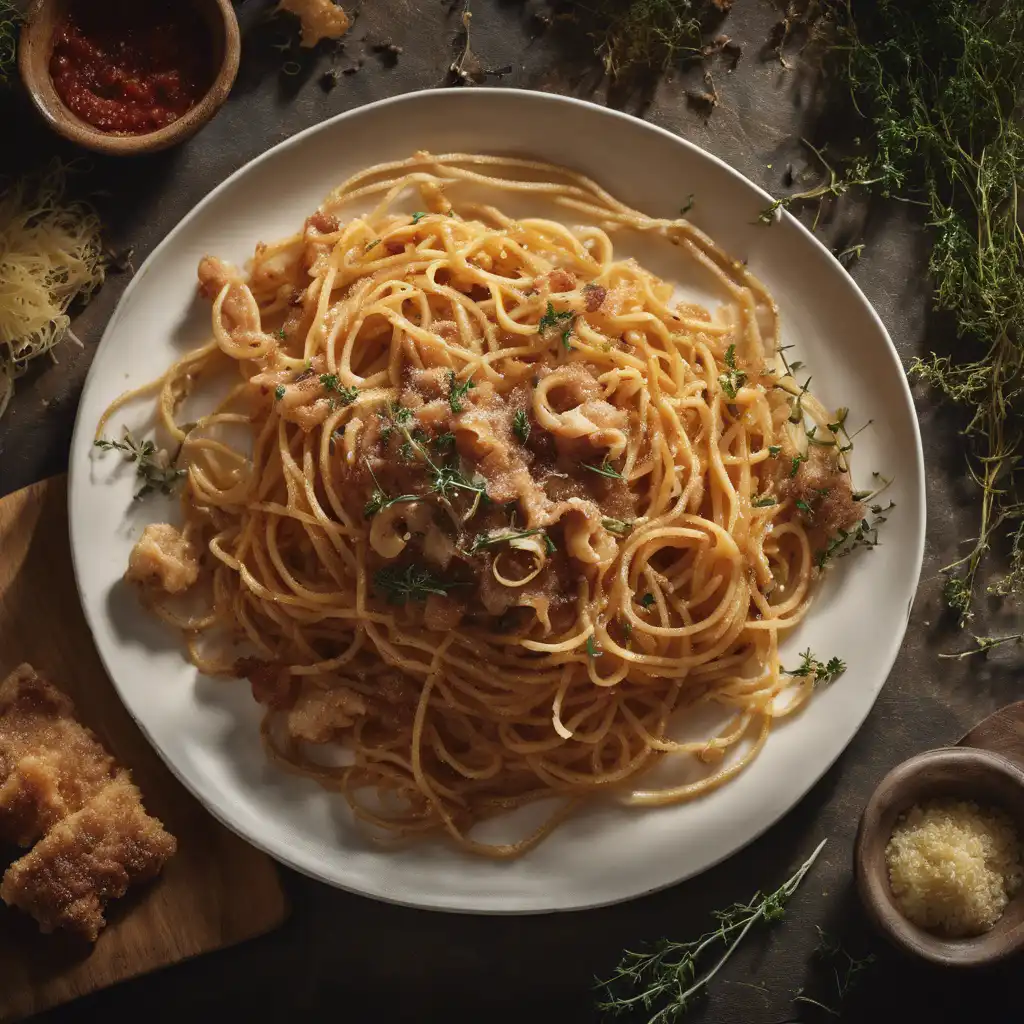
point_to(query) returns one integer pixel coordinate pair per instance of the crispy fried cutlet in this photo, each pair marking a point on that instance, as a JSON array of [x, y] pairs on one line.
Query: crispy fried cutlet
[[50, 765], [90, 857]]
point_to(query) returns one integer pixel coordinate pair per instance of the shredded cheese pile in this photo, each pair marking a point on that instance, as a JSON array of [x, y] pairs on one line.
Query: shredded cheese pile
[[953, 866], [50, 255]]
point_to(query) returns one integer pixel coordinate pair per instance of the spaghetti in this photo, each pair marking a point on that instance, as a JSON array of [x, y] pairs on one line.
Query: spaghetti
[[502, 512]]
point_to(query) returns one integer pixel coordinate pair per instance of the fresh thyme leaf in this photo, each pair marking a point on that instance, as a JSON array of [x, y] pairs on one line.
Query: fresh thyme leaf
[[797, 412], [684, 210], [592, 647], [663, 981], [797, 459], [647, 600], [457, 391], [413, 583], [764, 501], [399, 414], [279, 392], [521, 426], [863, 535], [444, 442], [417, 217], [605, 469], [804, 507], [567, 334], [733, 379], [152, 467], [487, 541], [280, 333], [346, 395], [819, 671], [380, 501], [552, 321], [620, 527], [774, 450], [371, 245]]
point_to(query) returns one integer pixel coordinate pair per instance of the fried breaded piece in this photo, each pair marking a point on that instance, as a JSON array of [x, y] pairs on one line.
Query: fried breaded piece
[[163, 559], [90, 857], [50, 765]]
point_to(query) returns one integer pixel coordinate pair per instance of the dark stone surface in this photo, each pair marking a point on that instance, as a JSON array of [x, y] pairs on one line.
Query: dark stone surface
[[344, 956]]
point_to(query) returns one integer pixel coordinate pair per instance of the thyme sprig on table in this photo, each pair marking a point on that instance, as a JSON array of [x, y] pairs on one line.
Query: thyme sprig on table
[[938, 86], [664, 981]]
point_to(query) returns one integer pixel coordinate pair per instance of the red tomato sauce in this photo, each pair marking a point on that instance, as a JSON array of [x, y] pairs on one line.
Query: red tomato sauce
[[129, 67]]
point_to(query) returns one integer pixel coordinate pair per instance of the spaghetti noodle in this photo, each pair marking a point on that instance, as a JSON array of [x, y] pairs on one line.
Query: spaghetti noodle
[[504, 512]]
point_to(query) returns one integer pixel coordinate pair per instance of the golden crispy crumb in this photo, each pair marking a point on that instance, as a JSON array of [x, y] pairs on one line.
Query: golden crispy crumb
[[321, 19], [50, 765], [162, 558], [90, 857]]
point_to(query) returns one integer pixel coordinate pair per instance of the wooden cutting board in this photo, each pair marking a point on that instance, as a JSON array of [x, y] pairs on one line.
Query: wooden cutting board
[[1001, 733], [216, 891]]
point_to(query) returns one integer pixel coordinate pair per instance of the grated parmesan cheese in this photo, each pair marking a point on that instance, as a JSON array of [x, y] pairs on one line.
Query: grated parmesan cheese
[[953, 866], [50, 256]]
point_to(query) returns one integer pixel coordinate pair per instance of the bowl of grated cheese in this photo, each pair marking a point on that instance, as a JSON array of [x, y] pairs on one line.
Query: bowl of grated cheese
[[938, 857]]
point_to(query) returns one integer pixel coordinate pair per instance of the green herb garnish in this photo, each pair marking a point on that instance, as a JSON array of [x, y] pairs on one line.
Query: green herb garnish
[[733, 379], [684, 210], [444, 442], [488, 541], [664, 981], [521, 426], [605, 469], [345, 395], [457, 390], [371, 245], [797, 459], [764, 501], [279, 392], [774, 450], [821, 672], [620, 527], [417, 217], [552, 321], [592, 647], [151, 466], [413, 583], [647, 600]]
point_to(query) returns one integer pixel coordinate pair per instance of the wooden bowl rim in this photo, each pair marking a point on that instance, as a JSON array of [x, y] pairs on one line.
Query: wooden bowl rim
[[36, 35], [894, 795]]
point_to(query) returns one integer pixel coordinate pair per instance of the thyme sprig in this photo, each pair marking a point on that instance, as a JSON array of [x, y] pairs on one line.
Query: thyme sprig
[[822, 672], [938, 86], [152, 466], [664, 981], [413, 583]]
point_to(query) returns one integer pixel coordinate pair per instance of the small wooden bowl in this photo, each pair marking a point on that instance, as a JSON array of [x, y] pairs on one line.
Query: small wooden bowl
[[963, 773], [36, 46]]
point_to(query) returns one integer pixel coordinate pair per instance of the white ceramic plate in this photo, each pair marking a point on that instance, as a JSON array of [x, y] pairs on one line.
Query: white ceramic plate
[[207, 731]]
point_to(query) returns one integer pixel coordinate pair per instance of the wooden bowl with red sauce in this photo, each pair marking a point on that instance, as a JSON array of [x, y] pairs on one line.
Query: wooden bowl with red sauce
[[129, 76]]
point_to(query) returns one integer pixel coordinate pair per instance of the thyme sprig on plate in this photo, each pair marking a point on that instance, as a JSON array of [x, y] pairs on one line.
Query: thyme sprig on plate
[[664, 981], [152, 466]]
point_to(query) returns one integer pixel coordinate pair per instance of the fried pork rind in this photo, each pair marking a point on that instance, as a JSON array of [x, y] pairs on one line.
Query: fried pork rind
[[50, 765], [62, 791], [90, 857]]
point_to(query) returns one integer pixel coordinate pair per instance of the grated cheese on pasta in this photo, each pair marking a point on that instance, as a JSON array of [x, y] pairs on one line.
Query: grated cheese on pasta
[[953, 866]]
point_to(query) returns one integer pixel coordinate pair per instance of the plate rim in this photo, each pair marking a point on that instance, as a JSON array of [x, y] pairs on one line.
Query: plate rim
[[280, 851]]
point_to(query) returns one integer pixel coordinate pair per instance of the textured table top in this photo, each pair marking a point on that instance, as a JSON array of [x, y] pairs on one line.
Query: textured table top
[[341, 954]]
